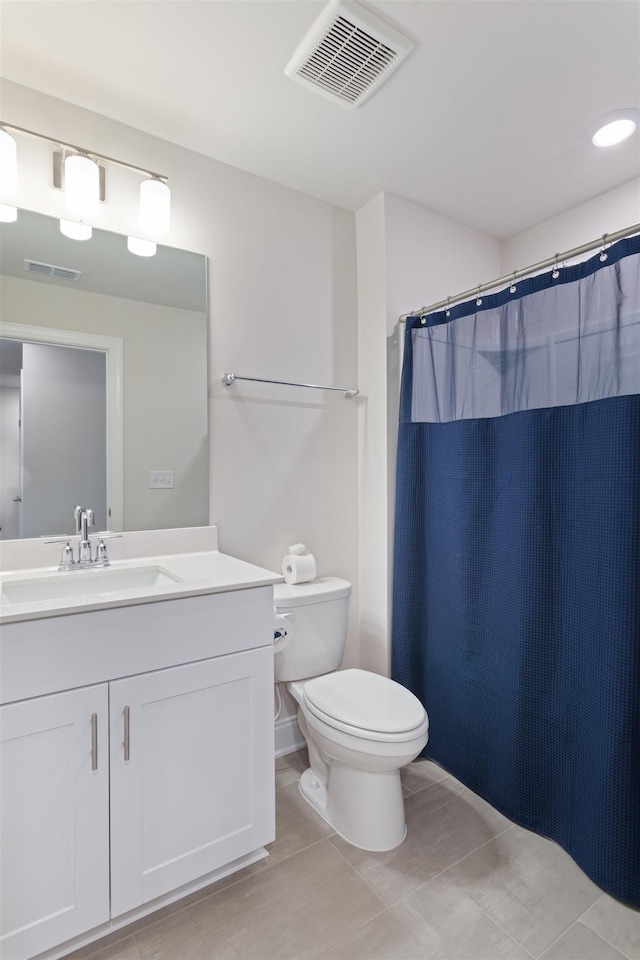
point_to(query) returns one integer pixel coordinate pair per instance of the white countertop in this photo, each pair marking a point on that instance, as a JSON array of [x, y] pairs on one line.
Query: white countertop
[[197, 573]]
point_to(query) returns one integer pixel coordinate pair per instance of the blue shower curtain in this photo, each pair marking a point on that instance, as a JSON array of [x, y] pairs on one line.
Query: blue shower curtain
[[516, 600]]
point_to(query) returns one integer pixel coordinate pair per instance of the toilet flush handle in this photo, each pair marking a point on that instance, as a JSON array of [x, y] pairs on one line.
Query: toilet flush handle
[[287, 615], [281, 633]]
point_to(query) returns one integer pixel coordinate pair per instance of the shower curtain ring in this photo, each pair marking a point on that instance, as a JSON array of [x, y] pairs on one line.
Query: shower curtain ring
[[603, 253], [447, 311], [556, 271], [479, 298], [512, 288]]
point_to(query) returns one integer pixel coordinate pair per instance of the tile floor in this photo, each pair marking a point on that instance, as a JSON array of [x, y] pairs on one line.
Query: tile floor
[[467, 884]]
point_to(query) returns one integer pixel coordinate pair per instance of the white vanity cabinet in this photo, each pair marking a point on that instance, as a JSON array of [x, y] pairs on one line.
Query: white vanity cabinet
[[54, 819], [117, 795], [193, 793]]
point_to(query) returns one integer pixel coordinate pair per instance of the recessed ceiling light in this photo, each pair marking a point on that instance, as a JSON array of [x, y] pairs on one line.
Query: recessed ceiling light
[[614, 128]]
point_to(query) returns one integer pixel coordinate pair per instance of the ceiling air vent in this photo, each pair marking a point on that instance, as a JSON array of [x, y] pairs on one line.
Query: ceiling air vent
[[347, 54], [48, 270]]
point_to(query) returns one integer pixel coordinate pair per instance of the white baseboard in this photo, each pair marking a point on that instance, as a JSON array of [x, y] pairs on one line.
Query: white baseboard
[[288, 738]]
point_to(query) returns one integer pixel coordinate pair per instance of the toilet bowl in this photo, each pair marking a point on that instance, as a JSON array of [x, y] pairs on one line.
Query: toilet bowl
[[360, 728]]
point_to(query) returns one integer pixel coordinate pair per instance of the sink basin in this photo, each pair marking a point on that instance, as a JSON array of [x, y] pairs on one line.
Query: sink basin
[[83, 583]]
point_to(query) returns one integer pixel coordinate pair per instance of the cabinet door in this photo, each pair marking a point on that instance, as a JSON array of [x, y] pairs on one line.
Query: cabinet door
[[192, 778], [54, 819]]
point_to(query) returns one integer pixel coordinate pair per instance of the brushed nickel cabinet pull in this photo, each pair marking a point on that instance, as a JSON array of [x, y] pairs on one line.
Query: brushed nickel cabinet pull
[[94, 741], [127, 736]]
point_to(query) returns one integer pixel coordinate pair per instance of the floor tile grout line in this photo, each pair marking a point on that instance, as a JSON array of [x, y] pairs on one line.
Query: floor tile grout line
[[559, 937], [152, 920], [352, 933], [601, 935], [466, 896], [301, 850], [413, 793], [357, 872], [455, 863], [384, 909], [477, 906], [440, 872], [481, 908]]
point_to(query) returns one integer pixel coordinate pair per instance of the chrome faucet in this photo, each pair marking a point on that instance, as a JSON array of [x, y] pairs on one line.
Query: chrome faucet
[[84, 520]]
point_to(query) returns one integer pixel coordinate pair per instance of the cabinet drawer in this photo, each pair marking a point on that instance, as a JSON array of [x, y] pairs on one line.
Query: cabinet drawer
[[58, 653]]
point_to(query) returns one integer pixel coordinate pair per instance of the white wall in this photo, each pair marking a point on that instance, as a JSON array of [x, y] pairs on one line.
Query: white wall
[[372, 471], [611, 211], [407, 257]]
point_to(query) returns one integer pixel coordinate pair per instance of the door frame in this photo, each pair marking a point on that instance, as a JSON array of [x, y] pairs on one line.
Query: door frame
[[113, 349]]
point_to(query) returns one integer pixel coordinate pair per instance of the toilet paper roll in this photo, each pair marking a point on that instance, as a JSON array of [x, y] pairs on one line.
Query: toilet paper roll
[[299, 569]]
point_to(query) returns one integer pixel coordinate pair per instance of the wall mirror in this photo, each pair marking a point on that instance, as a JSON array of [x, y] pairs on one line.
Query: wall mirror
[[103, 382]]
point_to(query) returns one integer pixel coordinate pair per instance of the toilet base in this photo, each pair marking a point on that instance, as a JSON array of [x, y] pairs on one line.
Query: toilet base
[[365, 808]]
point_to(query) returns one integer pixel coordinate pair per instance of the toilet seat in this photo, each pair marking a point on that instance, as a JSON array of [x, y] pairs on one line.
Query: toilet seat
[[365, 705]]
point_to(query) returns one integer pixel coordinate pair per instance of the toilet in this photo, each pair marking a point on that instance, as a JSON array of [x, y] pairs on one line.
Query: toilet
[[360, 727]]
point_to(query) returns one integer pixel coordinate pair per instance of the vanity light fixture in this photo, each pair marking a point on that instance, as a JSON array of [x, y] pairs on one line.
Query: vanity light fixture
[[75, 230], [82, 184], [614, 128], [141, 248], [8, 175], [81, 174], [8, 163], [155, 206]]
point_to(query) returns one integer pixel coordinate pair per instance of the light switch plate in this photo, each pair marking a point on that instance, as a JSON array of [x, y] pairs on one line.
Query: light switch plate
[[161, 479]]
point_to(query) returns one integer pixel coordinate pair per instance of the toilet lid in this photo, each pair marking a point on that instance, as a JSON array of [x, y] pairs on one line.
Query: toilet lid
[[364, 700]]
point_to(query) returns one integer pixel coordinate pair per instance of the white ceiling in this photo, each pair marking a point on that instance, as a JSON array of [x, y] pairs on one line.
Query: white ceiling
[[484, 123]]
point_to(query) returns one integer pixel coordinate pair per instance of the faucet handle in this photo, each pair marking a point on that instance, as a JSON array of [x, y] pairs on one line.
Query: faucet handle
[[102, 556], [66, 560]]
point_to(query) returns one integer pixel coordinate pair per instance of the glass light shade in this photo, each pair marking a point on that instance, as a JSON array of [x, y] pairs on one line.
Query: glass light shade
[[75, 230], [7, 213], [155, 206], [82, 185], [614, 132], [8, 163], [141, 248]]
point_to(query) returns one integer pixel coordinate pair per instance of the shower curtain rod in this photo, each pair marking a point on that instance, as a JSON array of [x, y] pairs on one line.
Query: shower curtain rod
[[557, 259]]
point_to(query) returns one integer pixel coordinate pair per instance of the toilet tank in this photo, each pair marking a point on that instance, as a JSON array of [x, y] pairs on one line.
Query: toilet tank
[[317, 614]]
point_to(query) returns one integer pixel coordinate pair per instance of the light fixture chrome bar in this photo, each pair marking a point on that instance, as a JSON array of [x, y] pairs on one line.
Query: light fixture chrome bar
[[606, 238], [90, 153], [228, 379]]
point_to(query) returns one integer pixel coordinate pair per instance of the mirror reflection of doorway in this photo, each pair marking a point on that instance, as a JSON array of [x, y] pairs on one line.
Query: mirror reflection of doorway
[[53, 414]]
